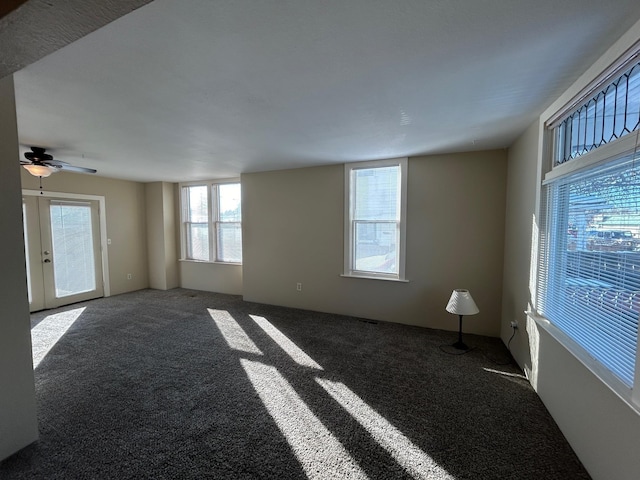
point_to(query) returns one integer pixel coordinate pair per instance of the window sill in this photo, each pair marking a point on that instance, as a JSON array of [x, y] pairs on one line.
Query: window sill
[[612, 382], [373, 277], [189, 260]]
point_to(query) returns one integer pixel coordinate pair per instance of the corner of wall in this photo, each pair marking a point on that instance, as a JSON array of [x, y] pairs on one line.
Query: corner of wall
[[18, 421], [160, 229], [520, 227]]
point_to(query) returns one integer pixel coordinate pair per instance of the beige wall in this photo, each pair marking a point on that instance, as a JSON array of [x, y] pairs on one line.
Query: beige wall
[[520, 217], [162, 247], [126, 222], [293, 232], [602, 429], [211, 277], [18, 424]]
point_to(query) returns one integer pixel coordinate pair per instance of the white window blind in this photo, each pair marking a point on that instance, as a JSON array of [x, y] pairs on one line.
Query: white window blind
[[589, 263], [72, 242]]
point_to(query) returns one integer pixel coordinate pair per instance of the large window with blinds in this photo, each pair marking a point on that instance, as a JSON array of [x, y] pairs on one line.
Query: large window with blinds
[[592, 287], [375, 206], [589, 251], [212, 222]]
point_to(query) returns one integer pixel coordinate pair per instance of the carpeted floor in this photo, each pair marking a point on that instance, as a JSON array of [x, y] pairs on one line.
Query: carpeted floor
[[194, 385]]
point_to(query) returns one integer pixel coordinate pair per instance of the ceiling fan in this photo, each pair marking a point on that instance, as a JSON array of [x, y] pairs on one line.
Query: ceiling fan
[[41, 164]]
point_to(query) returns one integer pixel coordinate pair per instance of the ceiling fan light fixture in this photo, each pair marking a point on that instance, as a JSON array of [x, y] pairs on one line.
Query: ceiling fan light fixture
[[39, 170]]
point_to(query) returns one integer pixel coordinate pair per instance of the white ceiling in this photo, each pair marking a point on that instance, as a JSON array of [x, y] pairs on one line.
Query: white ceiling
[[186, 90]]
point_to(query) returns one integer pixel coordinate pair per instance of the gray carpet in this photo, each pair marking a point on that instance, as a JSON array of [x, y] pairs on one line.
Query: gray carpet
[[193, 385]]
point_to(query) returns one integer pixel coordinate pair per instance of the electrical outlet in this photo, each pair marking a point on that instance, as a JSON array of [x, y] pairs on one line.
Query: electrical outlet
[[299, 286], [514, 324]]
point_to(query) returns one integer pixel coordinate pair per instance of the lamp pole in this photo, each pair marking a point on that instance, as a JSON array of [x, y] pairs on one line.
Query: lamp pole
[[460, 344]]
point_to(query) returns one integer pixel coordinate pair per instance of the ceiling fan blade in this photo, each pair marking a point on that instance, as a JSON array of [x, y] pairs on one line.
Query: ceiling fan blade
[[55, 163], [71, 168]]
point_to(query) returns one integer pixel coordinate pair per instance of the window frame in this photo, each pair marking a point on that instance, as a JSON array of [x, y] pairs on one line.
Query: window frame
[[349, 197], [217, 222], [213, 218], [184, 221], [553, 224], [603, 156]]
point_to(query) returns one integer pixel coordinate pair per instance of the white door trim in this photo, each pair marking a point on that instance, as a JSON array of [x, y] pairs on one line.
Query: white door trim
[[104, 253]]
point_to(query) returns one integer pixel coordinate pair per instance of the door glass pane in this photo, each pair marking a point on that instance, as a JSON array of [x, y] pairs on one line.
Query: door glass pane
[[73, 255]]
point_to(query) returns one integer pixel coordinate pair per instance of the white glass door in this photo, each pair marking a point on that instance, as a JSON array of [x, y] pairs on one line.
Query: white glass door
[[63, 251]]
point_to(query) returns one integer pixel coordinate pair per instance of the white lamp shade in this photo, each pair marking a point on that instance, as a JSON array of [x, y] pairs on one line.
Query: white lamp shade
[[39, 170], [461, 303]]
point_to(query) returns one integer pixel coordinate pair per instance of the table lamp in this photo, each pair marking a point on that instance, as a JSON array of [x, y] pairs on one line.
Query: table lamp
[[461, 303]]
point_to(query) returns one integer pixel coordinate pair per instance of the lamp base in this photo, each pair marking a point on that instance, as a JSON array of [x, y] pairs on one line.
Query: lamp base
[[460, 346]]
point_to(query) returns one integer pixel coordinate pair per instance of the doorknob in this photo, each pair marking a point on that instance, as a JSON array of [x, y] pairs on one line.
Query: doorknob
[[47, 260]]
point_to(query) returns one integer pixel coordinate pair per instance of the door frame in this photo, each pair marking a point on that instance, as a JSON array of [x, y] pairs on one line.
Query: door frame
[[104, 253]]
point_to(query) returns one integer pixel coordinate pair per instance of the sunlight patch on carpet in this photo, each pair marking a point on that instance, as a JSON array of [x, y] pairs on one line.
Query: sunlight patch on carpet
[[319, 452], [51, 329], [291, 349], [232, 332], [416, 462], [506, 374]]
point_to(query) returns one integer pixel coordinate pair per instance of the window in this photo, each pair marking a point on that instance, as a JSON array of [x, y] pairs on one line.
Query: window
[[593, 284], [589, 252], [375, 213], [228, 226], [196, 222], [609, 114], [211, 221]]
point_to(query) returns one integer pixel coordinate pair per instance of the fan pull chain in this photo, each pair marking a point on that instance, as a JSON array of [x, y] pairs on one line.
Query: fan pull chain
[[41, 193]]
